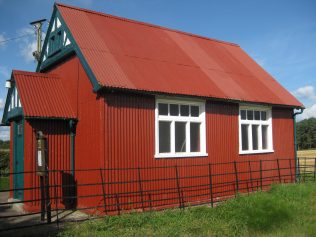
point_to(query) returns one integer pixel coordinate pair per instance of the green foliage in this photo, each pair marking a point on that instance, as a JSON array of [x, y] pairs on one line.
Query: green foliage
[[286, 210], [4, 161], [4, 145], [4, 156], [306, 134], [4, 183]]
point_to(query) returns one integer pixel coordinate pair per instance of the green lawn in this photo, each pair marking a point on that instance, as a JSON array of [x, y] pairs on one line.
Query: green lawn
[[286, 210]]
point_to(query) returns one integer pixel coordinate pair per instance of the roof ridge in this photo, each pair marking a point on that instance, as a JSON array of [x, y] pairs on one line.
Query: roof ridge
[[145, 24]]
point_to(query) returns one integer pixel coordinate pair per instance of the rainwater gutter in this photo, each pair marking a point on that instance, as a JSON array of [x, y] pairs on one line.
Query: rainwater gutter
[[295, 144]]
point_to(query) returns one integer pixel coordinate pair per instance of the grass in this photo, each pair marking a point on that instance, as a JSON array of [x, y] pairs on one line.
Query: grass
[[286, 210], [4, 183]]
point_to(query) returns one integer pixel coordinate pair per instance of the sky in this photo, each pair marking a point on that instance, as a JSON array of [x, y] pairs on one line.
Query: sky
[[279, 35]]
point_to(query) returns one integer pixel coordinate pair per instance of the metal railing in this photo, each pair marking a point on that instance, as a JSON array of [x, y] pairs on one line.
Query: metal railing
[[112, 191]]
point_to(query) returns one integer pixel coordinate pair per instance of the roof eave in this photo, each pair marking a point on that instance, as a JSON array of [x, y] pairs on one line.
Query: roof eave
[[105, 89]]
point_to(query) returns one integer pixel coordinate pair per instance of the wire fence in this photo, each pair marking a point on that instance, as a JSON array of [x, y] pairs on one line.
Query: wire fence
[[74, 195]]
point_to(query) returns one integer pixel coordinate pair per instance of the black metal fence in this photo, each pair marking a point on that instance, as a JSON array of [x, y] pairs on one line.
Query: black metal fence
[[58, 197]]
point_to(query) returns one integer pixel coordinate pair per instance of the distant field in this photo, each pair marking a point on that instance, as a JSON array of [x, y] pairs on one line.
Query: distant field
[[307, 165], [307, 153]]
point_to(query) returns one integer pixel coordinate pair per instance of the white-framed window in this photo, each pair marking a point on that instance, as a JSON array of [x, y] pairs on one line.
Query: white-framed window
[[255, 129], [180, 128]]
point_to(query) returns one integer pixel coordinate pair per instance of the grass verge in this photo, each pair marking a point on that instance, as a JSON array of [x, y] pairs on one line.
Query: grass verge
[[286, 210]]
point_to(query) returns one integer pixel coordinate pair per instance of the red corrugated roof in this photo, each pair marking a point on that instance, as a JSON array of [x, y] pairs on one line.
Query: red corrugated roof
[[42, 95], [133, 55]]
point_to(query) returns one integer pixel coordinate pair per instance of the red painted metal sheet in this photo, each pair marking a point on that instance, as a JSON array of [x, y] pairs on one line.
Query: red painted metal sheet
[[116, 130], [42, 95], [127, 54], [129, 142], [57, 133]]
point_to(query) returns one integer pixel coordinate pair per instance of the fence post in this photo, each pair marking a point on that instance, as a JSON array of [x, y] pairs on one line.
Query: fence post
[[42, 188], [211, 182], [279, 172], [150, 201], [291, 174], [261, 175], [178, 186], [103, 191], [47, 198], [56, 199], [304, 169], [118, 204], [140, 188], [314, 169], [250, 174], [298, 170], [236, 178]]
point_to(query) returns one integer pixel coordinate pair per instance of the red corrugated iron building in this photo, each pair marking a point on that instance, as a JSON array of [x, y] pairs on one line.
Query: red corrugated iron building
[[111, 92]]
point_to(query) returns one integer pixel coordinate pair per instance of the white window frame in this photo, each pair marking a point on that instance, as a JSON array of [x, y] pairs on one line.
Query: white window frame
[[260, 122], [173, 119]]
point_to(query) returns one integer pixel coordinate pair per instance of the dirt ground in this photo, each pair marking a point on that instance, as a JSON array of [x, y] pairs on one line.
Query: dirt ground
[[38, 228]]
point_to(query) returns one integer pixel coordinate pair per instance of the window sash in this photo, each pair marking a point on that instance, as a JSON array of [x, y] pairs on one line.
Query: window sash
[[173, 119], [256, 124]]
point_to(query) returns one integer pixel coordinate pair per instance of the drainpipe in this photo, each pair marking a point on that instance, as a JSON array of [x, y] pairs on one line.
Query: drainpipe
[[72, 125], [295, 143]]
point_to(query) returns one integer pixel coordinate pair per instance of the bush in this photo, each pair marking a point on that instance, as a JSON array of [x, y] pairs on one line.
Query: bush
[[4, 161]]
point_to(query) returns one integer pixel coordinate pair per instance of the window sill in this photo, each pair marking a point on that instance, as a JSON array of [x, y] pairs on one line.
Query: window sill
[[186, 155], [255, 152]]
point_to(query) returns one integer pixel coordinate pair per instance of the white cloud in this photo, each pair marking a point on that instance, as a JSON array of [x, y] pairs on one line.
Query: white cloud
[[305, 92], [4, 133], [1, 104], [309, 112], [27, 51], [27, 45], [2, 38], [4, 72]]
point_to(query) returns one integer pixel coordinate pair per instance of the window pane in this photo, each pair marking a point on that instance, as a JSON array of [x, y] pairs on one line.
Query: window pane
[[263, 115], [164, 137], [195, 111], [163, 109], [264, 137], [184, 110], [180, 137], [250, 114], [243, 114], [195, 137], [244, 137], [255, 137], [174, 110], [257, 115]]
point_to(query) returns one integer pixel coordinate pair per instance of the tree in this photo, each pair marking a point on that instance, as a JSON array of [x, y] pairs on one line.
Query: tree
[[306, 134]]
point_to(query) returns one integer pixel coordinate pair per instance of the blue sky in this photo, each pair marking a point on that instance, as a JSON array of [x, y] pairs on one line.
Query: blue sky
[[279, 35]]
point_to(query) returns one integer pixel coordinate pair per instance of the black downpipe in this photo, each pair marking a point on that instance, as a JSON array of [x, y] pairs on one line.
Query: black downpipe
[[295, 143]]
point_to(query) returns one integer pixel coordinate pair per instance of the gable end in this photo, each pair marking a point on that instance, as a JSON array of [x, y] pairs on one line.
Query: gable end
[[58, 44]]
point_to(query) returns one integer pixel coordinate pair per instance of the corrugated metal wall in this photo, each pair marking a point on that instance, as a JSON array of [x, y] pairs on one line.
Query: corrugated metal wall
[[58, 142], [116, 130], [129, 142]]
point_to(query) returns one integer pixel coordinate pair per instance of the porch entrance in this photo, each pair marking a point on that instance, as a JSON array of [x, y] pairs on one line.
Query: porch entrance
[[18, 159]]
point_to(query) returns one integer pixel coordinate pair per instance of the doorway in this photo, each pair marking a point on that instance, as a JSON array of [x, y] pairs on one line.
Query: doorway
[[18, 159]]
